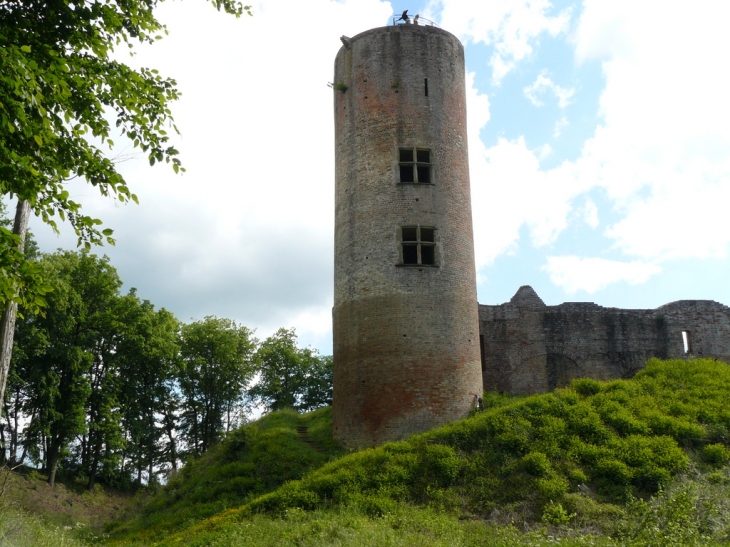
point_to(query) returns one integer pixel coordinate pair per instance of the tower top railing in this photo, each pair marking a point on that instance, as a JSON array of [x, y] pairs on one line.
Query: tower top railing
[[413, 20]]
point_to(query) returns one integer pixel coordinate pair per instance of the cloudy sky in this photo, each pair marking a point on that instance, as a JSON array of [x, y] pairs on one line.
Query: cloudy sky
[[599, 142]]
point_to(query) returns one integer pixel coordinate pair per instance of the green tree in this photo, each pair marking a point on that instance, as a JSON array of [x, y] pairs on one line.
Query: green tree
[[216, 367], [292, 377], [148, 356], [59, 86], [69, 360]]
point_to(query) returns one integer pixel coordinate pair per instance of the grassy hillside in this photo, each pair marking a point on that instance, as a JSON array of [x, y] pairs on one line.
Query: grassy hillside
[[34, 514], [255, 459], [574, 459]]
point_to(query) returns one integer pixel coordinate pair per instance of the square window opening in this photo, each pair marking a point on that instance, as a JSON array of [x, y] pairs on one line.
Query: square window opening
[[415, 165], [418, 244], [428, 255], [410, 254], [410, 233], [406, 173]]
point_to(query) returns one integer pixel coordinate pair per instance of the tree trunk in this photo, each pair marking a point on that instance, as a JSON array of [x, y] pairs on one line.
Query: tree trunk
[[54, 452], [95, 457], [2, 444], [170, 428], [7, 323]]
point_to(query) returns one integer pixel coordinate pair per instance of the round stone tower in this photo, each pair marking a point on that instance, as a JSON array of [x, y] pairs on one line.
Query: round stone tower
[[406, 333]]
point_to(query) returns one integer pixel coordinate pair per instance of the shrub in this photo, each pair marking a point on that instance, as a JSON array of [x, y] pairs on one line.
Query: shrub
[[536, 464], [555, 513], [716, 454], [586, 387]]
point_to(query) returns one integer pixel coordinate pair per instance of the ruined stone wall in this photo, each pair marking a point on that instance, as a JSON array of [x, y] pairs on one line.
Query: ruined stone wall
[[406, 349], [528, 347]]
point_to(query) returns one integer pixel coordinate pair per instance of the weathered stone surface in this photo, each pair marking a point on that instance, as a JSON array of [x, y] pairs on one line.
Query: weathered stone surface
[[406, 349], [528, 347]]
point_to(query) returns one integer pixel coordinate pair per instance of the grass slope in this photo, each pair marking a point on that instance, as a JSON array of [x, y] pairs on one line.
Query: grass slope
[[579, 455], [255, 459], [33, 513]]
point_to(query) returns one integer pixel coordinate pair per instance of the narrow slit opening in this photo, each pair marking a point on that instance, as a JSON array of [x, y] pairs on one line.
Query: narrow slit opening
[[685, 341], [425, 86]]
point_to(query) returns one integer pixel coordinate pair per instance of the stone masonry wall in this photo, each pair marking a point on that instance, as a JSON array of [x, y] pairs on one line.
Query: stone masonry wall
[[406, 346], [528, 347]]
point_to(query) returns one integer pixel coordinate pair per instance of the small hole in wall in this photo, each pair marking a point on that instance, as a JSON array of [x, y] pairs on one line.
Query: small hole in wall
[[404, 336], [416, 199], [425, 86], [686, 341]]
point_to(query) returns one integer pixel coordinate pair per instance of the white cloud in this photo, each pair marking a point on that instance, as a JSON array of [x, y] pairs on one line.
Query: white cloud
[[246, 232], [543, 84], [589, 213], [561, 124], [575, 274], [661, 153], [510, 190], [511, 26]]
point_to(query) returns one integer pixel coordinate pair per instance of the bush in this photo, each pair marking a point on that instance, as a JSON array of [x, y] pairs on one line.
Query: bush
[[716, 454], [555, 513]]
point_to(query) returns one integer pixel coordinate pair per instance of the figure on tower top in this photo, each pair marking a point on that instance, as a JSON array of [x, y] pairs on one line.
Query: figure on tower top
[[404, 17]]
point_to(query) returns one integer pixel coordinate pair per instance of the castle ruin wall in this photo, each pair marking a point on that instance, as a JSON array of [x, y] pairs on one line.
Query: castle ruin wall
[[528, 347]]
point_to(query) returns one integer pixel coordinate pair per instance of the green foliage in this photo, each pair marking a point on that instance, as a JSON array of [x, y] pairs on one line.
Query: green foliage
[[215, 367], [340, 86], [60, 360], [555, 514], [21, 529], [291, 377], [389, 524], [716, 454], [252, 460], [60, 81], [694, 510]]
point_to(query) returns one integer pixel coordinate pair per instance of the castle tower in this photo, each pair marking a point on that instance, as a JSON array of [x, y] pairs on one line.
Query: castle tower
[[406, 333]]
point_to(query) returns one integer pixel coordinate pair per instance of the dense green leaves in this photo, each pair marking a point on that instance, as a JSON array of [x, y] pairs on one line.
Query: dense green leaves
[[292, 377], [215, 368], [105, 387]]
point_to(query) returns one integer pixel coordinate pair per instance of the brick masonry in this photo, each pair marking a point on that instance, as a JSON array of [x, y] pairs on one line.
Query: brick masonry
[[406, 340], [528, 347]]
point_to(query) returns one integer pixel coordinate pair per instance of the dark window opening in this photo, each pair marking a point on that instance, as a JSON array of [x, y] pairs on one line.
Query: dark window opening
[[406, 155], [406, 173], [415, 165], [410, 254], [424, 174], [428, 255], [410, 233], [425, 86], [419, 245]]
